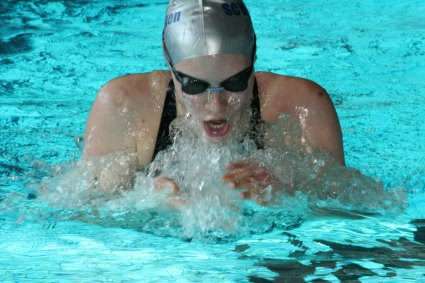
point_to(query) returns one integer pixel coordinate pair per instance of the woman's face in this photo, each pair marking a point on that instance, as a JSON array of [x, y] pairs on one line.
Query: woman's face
[[216, 112]]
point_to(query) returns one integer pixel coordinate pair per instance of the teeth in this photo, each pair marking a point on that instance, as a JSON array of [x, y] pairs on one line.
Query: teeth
[[216, 125]]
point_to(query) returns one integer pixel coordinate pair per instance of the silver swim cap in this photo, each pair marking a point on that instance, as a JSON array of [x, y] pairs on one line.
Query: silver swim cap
[[195, 28]]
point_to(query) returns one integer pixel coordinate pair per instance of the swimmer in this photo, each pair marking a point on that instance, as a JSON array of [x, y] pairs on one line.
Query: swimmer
[[210, 49]]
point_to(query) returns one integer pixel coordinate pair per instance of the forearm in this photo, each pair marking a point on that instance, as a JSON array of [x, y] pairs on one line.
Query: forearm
[[323, 181], [113, 172]]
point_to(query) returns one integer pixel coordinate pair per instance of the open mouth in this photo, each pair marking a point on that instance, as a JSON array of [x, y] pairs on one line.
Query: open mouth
[[216, 128]]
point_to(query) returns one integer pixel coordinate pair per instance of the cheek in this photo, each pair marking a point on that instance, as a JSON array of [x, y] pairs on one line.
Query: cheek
[[193, 103], [238, 100]]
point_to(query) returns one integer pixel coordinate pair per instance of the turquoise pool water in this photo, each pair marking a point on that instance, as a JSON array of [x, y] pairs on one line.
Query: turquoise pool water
[[369, 55]]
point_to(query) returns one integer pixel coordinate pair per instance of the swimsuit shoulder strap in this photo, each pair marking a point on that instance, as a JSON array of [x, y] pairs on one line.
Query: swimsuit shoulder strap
[[169, 113], [255, 117]]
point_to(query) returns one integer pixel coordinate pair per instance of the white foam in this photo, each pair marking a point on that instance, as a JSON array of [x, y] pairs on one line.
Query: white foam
[[111, 188]]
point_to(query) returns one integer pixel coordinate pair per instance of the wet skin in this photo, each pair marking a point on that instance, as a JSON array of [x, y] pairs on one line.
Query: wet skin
[[127, 113], [216, 113]]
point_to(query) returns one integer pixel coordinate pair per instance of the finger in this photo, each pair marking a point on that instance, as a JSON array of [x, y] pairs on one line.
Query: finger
[[264, 179], [174, 188], [239, 164], [258, 198], [261, 201], [176, 202], [251, 195], [239, 173], [257, 176], [246, 187], [239, 181], [245, 195], [163, 182], [253, 168], [248, 183], [262, 176]]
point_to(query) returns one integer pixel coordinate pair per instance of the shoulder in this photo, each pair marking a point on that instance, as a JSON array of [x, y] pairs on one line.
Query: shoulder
[[294, 82], [125, 106], [135, 89], [308, 103], [286, 94]]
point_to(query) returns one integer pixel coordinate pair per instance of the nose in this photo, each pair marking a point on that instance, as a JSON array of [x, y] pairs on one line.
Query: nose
[[213, 90], [217, 99]]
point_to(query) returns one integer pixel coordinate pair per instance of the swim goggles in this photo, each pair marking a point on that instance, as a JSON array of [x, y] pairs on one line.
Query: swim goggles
[[194, 86]]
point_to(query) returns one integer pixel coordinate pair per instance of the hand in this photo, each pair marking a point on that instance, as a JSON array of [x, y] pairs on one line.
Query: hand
[[256, 181], [163, 183]]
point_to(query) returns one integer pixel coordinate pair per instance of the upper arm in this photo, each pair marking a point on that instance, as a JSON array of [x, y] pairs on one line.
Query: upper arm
[[107, 128], [125, 116], [309, 104], [319, 121]]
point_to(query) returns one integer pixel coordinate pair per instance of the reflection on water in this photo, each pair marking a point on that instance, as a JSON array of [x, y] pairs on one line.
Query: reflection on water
[[350, 262]]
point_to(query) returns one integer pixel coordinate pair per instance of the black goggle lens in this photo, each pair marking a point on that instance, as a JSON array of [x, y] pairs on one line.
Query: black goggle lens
[[193, 86], [238, 82]]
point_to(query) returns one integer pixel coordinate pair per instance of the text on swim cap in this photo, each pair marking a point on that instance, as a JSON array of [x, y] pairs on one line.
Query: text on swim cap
[[235, 9], [172, 18], [230, 9]]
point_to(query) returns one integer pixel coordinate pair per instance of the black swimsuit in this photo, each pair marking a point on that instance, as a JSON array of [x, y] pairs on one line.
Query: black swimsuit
[[169, 113]]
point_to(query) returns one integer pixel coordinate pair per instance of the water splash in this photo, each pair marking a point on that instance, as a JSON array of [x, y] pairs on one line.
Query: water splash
[[111, 190]]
